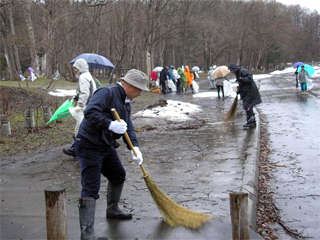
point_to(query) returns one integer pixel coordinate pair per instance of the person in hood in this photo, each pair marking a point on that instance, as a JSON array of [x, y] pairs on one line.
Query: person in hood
[[96, 145], [248, 91], [183, 80], [190, 76], [164, 76], [211, 78], [302, 77], [154, 78], [85, 89]]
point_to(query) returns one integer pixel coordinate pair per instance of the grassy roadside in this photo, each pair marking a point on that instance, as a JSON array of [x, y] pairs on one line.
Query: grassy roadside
[[15, 99]]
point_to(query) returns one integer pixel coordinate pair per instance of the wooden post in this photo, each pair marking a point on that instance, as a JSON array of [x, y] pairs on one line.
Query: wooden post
[[5, 126], [29, 119], [239, 216], [47, 114], [56, 214]]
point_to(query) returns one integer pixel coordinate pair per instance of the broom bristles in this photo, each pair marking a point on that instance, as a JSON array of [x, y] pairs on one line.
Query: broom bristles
[[230, 114], [173, 213]]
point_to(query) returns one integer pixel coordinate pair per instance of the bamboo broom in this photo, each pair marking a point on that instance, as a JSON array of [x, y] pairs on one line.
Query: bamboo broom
[[230, 114], [173, 213]]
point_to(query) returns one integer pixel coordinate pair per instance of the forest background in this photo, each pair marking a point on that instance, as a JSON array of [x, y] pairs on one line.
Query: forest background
[[259, 34]]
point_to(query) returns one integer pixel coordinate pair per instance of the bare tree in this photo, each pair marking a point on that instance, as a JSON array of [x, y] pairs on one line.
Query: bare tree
[[32, 42]]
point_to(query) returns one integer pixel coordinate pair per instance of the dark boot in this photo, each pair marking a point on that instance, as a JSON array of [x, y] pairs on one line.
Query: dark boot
[[251, 123], [70, 151], [87, 208], [113, 197]]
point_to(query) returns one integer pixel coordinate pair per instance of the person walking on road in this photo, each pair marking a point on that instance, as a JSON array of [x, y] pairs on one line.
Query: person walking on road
[[248, 91], [183, 80], [302, 77], [164, 75], [297, 81], [211, 78], [219, 84], [96, 145], [85, 88], [190, 77]]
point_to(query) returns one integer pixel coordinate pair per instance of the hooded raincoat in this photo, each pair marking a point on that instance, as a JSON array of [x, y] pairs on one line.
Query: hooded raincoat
[[183, 78], [86, 85], [248, 90], [189, 75]]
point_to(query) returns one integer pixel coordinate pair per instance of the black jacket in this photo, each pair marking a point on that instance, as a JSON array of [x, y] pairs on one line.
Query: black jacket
[[247, 89], [98, 115]]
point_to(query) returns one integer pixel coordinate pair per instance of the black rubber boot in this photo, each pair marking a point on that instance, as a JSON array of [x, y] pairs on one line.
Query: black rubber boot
[[251, 123], [70, 151], [87, 208], [113, 197]]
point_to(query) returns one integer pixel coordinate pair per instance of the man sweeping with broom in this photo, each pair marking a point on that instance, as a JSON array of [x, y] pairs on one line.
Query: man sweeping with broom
[[248, 91], [96, 145]]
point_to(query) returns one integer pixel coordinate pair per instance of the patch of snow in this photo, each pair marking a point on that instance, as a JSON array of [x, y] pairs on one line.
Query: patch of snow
[[174, 111], [63, 93]]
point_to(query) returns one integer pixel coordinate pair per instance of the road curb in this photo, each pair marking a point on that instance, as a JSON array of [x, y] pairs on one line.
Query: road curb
[[251, 173]]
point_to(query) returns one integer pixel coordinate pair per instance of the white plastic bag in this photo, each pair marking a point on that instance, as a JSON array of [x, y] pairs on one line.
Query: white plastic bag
[[195, 86], [78, 116], [196, 75], [32, 77], [172, 86], [309, 84], [22, 78], [227, 88]]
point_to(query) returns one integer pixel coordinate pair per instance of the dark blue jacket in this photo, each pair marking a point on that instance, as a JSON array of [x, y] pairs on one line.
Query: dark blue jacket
[[98, 115]]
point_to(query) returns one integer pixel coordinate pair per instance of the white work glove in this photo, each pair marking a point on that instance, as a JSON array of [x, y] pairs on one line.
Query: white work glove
[[77, 109], [118, 127], [138, 159]]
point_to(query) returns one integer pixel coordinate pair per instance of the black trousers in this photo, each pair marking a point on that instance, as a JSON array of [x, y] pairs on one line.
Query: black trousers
[[178, 84], [220, 88], [93, 163], [163, 87]]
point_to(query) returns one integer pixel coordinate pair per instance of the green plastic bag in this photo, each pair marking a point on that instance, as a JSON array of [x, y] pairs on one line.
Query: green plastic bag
[[61, 112]]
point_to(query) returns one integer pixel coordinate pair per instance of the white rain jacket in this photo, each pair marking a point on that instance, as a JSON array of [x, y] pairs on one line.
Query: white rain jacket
[[86, 85]]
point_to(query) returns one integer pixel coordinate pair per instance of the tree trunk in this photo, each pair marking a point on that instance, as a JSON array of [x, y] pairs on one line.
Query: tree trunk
[[15, 47], [32, 44], [8, 54]]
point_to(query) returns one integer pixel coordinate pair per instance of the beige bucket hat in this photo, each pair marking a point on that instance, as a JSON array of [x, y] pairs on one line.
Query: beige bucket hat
[[137, 79]]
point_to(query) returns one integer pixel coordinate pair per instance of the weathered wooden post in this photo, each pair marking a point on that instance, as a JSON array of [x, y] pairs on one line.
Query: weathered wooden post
[[29, 119], [56, 214], [5, 126], [47, 114], [239, 216]]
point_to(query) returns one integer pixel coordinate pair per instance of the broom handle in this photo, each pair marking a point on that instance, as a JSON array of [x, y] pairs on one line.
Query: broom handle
[[116, 115]]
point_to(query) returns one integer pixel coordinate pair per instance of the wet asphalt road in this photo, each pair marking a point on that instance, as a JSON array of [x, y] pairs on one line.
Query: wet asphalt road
[[293, 124], [197, 167]]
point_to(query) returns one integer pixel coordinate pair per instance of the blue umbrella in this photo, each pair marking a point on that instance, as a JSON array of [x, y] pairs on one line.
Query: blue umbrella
[[309, 69], [94, 60], [298, 64]]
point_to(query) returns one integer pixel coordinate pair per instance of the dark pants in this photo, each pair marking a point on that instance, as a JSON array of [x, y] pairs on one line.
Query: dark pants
[[93, 163], [163, 87], [220, 88], [178, 84]]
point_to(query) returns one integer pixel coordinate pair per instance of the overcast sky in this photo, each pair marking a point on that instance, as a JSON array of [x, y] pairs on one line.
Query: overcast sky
[[311, 4]]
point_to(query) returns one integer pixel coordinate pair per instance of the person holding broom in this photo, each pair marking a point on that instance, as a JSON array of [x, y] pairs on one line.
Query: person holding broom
[[96, 145], [248, 91]]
